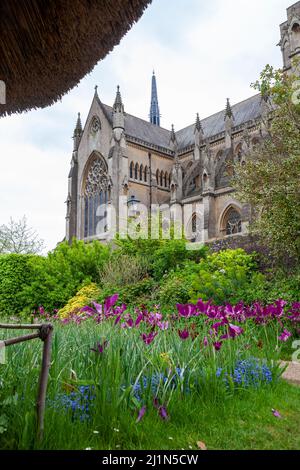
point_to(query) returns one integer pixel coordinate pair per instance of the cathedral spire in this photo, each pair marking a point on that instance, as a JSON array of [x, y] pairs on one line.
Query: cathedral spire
[[77, 132], [78, 127], [154, 108], [118, 105], [198, 125], [228, 110]]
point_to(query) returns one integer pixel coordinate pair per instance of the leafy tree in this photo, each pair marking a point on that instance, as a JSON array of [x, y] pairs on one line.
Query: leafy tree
[[17, 237], [269, 181]]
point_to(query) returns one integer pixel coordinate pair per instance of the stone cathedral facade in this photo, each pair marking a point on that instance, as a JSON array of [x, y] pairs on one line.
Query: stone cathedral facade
[[117, 155]]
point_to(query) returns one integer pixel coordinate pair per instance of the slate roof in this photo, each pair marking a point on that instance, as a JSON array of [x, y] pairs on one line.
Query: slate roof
[[135, 127], [244, 111], [143, 130]]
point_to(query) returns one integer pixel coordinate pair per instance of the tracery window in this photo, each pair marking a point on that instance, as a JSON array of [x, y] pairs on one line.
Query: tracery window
[[95, 197], [233, 222]]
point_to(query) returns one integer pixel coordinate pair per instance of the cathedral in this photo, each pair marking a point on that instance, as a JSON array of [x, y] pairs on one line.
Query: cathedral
[[122, 160]]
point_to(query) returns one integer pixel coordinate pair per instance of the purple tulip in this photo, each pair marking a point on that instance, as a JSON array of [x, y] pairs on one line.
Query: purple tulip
[[139, 319], [184, 334], [218, 345], [156, 403], [205, 342], [163, 413], [142, 411], [148, 338], [99, 348], [235, 330], [186, 310], [276, 414], [285, 336], [163, 325], [110, 302]]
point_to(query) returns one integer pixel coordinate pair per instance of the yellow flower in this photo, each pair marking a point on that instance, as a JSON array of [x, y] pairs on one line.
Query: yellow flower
[[83, 297], [165, 358]]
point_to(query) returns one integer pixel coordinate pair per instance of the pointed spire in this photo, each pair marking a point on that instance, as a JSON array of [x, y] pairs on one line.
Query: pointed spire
[[78, 127], [228, 110], [173, 135], [118, 105], [96, 90], [154, 108], [198, 125], [77, 132]]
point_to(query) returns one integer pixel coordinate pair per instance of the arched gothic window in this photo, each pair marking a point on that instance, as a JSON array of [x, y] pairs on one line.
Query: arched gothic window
[[136, 171], [166, 180], [157, 177], [146, 174], [161, 178], [232, 222], [95, 198], [131, 169], [195, 228], [141, 172], [296, 35]]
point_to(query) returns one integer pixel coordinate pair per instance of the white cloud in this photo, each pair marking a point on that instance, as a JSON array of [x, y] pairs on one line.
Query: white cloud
[[202, 52]]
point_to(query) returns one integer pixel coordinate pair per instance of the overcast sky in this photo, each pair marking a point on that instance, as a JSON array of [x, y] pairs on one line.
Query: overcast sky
[[202, 52]]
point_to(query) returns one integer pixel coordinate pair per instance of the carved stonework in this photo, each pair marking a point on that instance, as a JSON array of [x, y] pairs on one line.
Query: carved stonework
[[97, 179], [95, 125]]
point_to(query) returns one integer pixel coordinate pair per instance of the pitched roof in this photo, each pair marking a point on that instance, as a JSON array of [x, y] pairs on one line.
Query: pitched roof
[[140, 129], [244, 111]]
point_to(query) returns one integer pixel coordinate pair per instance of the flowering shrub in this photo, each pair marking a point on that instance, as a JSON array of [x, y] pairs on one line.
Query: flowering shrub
[[84, 296]]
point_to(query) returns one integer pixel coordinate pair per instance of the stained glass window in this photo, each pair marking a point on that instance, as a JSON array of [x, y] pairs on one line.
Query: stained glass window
[[233, 222], [95, 198]]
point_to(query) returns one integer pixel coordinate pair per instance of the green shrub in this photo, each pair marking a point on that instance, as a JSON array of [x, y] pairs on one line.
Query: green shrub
[[279, 285], [62, 273], [226, 276], [15, 273], [122, 269], [175, 289], [141, 292], [160, 256]]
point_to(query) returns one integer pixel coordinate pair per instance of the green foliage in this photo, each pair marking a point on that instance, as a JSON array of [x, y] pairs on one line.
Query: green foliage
[[279, 285], [175, 289], [58, 277], [269, 180], [141, 292], [122, 269], [226, 276], [160, 256], [15, 273]]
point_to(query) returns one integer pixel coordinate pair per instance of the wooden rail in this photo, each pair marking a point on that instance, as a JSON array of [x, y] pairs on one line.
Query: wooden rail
[[44, 333]]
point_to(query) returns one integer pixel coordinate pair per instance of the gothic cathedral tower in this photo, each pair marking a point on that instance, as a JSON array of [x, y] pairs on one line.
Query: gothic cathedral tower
[[290, 37]]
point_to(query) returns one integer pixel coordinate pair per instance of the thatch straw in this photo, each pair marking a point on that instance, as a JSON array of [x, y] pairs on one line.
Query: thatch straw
[[47, 46]]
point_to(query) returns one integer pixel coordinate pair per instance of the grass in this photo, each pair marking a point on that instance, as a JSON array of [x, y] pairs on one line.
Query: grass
[[221, 417]]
